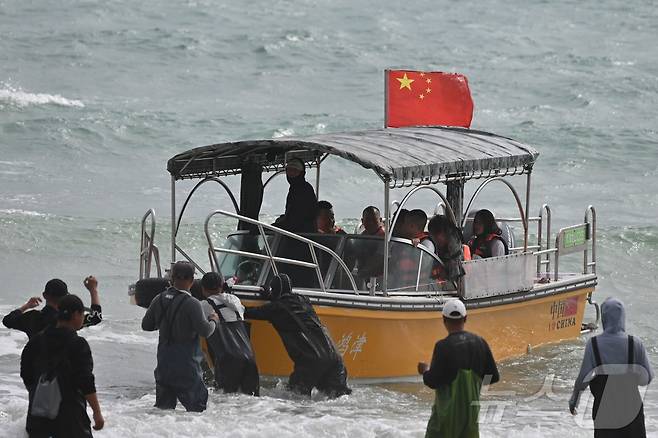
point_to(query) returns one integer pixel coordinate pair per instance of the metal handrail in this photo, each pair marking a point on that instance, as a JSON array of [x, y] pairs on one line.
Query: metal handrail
[[590, 213], [261, 228], [147, 248], [524, 215], [540, 227]]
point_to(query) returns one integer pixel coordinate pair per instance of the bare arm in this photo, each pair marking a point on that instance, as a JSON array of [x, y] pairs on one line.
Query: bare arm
[[99, 421]]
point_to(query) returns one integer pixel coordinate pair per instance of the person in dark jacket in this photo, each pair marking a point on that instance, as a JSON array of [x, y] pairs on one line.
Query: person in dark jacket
[[317, 363], [60, 352], [613, 367], [301, 203], [299, 217], [461, 364], [179, 318], [32, 322], [235, 366]]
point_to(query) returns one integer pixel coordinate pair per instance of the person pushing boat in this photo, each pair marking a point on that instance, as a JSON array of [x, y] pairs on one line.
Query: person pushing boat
[[317, 363]]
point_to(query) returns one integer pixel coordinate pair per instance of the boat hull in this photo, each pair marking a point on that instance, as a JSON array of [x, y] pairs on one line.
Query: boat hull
[[386, 345]]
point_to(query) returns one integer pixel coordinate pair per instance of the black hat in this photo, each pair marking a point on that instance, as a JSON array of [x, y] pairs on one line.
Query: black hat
[[67, 306], [56, 288], [212, 281], [280, 286]]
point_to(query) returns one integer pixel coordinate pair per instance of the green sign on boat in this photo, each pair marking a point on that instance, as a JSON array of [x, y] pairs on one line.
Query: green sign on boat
[[574, 238]]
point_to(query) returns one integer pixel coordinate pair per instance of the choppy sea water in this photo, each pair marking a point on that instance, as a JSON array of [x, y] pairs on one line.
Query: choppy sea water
[[96, 96]]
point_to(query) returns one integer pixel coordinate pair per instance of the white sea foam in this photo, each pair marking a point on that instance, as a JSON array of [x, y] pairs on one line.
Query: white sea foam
[[20, 212], [18, 97]]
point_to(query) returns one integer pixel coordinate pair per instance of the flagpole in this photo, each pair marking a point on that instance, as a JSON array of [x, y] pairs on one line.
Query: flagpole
[[386, 73]]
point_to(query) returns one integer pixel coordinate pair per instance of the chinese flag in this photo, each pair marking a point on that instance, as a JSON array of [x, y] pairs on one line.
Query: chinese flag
[[417, 98]]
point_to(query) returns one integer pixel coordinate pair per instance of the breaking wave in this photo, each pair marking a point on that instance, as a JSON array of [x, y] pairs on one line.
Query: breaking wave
[[12, 96]]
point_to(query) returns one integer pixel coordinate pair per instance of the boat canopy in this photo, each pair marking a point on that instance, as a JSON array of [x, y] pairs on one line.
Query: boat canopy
[[402, 156]]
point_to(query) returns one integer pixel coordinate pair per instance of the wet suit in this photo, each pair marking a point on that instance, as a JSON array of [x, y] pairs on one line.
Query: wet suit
[[317, 363], [63, 352], [178, 376], [460, 362], [235, 362], [32, 322], [613, 367]]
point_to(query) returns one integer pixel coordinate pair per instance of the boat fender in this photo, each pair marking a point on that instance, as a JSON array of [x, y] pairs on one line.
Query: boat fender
[[148, 288]]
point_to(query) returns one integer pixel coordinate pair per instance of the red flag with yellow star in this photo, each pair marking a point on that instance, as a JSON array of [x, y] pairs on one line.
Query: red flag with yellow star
[[416, 98]]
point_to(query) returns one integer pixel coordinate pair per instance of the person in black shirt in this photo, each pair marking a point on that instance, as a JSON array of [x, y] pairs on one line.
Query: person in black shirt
[[301, 203], [461, 364], [33, 322], [317, 362], [59, 350]]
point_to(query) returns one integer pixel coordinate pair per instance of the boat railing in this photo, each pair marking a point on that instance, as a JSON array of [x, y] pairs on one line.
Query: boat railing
[[148, 251], [569, 240], [269, 255]]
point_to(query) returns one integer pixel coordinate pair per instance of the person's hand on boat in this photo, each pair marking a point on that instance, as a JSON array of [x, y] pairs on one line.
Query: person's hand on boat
[[422, 367], [31, 304], [415, 241]]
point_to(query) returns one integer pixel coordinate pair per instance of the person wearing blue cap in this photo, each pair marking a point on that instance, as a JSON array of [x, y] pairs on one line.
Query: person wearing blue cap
[[461, 363], [32, 322]]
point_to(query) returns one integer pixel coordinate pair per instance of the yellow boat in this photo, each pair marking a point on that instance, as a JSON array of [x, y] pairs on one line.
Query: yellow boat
[[383, 322]]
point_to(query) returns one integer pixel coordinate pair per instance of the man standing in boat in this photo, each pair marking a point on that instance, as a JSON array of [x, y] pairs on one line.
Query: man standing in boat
[[300, 216], [615, 364], [301, 203], [461, 364]]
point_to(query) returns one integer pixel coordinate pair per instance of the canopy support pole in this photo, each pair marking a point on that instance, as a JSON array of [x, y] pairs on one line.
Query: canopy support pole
[[173, 221], [387, 233], [317, 180], [455, 195], [527, 210]]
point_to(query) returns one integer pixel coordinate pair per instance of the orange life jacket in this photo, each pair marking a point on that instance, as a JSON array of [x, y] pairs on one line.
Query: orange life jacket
[[483, 248]]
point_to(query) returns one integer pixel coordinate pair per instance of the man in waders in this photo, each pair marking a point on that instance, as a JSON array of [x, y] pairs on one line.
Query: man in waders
[[317, 363], [614, 365], [180, 319], [233, 356], [461, 363]]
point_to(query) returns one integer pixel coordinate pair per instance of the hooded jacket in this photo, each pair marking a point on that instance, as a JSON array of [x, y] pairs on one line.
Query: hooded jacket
[[613, 350], [301, 207]]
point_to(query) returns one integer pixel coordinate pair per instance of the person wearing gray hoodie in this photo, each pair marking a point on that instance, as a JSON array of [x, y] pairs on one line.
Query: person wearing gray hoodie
[[615, 364]]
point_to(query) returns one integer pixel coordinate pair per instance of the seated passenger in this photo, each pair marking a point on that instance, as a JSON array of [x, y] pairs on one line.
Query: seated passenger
[[326, 219], [234, 361], [488, 240], [399, 229], [448, 248], [372, 222], [415, 229]]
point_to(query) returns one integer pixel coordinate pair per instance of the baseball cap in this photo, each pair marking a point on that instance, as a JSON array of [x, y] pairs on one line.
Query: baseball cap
[[56, 288], [454, 309], [295, 163]]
